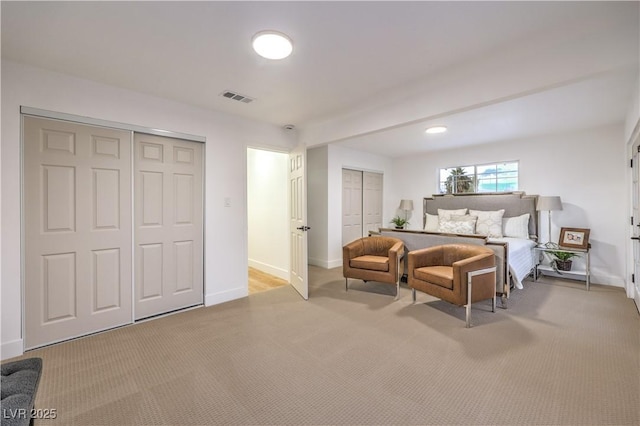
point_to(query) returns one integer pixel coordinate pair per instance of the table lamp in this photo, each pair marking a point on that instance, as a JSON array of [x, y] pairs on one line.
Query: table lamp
[[407, 206], [549, 204]]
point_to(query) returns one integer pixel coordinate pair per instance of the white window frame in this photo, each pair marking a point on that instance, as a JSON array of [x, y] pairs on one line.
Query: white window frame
[[474, 177]]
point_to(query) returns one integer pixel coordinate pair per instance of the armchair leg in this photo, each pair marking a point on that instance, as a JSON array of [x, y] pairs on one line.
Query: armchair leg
[[470, 276], [398, 278], [346, 284], [468, 306], [413, 295]]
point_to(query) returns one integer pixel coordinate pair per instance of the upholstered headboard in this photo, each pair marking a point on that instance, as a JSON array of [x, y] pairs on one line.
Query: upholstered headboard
[[513, 203]]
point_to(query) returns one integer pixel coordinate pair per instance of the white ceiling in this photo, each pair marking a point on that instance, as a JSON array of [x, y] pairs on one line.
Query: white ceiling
[[347, 56]]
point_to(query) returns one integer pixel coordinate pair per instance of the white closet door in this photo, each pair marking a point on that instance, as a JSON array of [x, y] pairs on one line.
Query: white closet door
[[168, 225], [77, 224], [372, 202], [351, 205]]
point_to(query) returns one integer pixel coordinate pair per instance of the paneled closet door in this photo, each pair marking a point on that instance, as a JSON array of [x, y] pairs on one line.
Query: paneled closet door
[[77, 229], [168, 225], [351, 205], [372, 202]]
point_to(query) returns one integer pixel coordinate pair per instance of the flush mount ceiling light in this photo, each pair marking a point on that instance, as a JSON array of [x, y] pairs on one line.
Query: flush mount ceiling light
[[436, 129], [272, 44]]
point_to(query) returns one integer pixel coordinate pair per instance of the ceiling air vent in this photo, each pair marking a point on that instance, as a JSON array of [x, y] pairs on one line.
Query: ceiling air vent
[[237, 97]]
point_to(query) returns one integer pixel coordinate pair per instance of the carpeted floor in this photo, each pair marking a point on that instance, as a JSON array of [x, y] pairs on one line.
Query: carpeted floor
[[559, 355]]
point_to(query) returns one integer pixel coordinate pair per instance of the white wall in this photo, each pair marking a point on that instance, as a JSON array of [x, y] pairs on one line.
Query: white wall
[[268, 224], [633, 114], [586, 169], [317, 202], [225, 176]]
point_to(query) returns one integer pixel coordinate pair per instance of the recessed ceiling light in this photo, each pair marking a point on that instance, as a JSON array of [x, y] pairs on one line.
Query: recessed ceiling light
[[272, 44], [436, 129]]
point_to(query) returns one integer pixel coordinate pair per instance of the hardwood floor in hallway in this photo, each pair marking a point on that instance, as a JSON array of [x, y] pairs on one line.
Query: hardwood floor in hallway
[[261, 281]]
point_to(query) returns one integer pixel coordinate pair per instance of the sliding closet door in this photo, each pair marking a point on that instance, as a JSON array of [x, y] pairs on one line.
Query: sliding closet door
[[372, 201], [77, 230], [168, 225], [361, 204], [351, 205]]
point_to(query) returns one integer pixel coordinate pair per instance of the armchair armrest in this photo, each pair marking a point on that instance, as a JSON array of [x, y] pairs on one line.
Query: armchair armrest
[[462, 267], [353, 249], [395, 253]]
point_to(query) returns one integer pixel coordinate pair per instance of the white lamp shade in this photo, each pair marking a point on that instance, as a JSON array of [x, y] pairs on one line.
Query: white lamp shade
[[406, 205], [549, 203]]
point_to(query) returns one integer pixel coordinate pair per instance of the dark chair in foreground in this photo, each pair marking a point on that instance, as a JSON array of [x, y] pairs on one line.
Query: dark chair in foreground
[[457, 273], [19, 384], [373, 259]]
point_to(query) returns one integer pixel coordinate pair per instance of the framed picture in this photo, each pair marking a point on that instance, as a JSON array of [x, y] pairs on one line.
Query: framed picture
[[574, 238]]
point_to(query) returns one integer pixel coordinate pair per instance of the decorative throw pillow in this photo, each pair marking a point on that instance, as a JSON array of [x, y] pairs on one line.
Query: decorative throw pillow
[[446, 214], [458, 224], [432, 223], [489, 222], [516, 227]]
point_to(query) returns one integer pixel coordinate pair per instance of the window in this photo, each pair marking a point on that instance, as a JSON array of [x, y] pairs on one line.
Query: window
[[497, 177]]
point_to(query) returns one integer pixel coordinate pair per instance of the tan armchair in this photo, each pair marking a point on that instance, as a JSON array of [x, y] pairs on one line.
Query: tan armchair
[[457, 273], [373, 259]]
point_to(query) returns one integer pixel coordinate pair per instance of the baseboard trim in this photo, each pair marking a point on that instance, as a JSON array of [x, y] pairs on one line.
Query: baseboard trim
[[269, 269], [610, 280], [226, 296], [11, 349], [334, 264], [326, 264]]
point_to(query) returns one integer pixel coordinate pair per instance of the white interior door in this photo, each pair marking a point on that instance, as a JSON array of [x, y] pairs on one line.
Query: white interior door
[[168, 225], [298, 221], [372, 202], [77, 229], [635, 202], [351, 205]]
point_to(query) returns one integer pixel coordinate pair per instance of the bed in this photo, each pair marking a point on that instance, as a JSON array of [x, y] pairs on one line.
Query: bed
[[513, 246]]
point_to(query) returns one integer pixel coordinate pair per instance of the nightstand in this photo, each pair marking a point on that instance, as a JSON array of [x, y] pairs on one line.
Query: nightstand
[[543, 257]]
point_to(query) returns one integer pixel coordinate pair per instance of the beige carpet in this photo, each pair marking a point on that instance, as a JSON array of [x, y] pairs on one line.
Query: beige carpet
[[558, 356]]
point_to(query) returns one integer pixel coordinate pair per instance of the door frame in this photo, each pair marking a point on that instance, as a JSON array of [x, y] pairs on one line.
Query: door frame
[[632, 289], [132, 128]]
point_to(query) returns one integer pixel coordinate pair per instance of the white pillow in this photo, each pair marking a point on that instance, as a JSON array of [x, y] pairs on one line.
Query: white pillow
[[432, 223], [446, 214], [489, 222], [516, 227], [458, 225]]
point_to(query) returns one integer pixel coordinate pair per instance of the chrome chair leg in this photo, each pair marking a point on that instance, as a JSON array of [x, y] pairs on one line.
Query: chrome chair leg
[[468, 306], [413, 295], [470, 276], [346, 284]]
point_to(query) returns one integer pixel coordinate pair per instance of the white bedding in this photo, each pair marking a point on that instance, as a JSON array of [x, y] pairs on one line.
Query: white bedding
[[521, 257]]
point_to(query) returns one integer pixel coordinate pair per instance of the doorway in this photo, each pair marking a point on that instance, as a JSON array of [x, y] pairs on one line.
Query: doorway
[[267, 220]]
